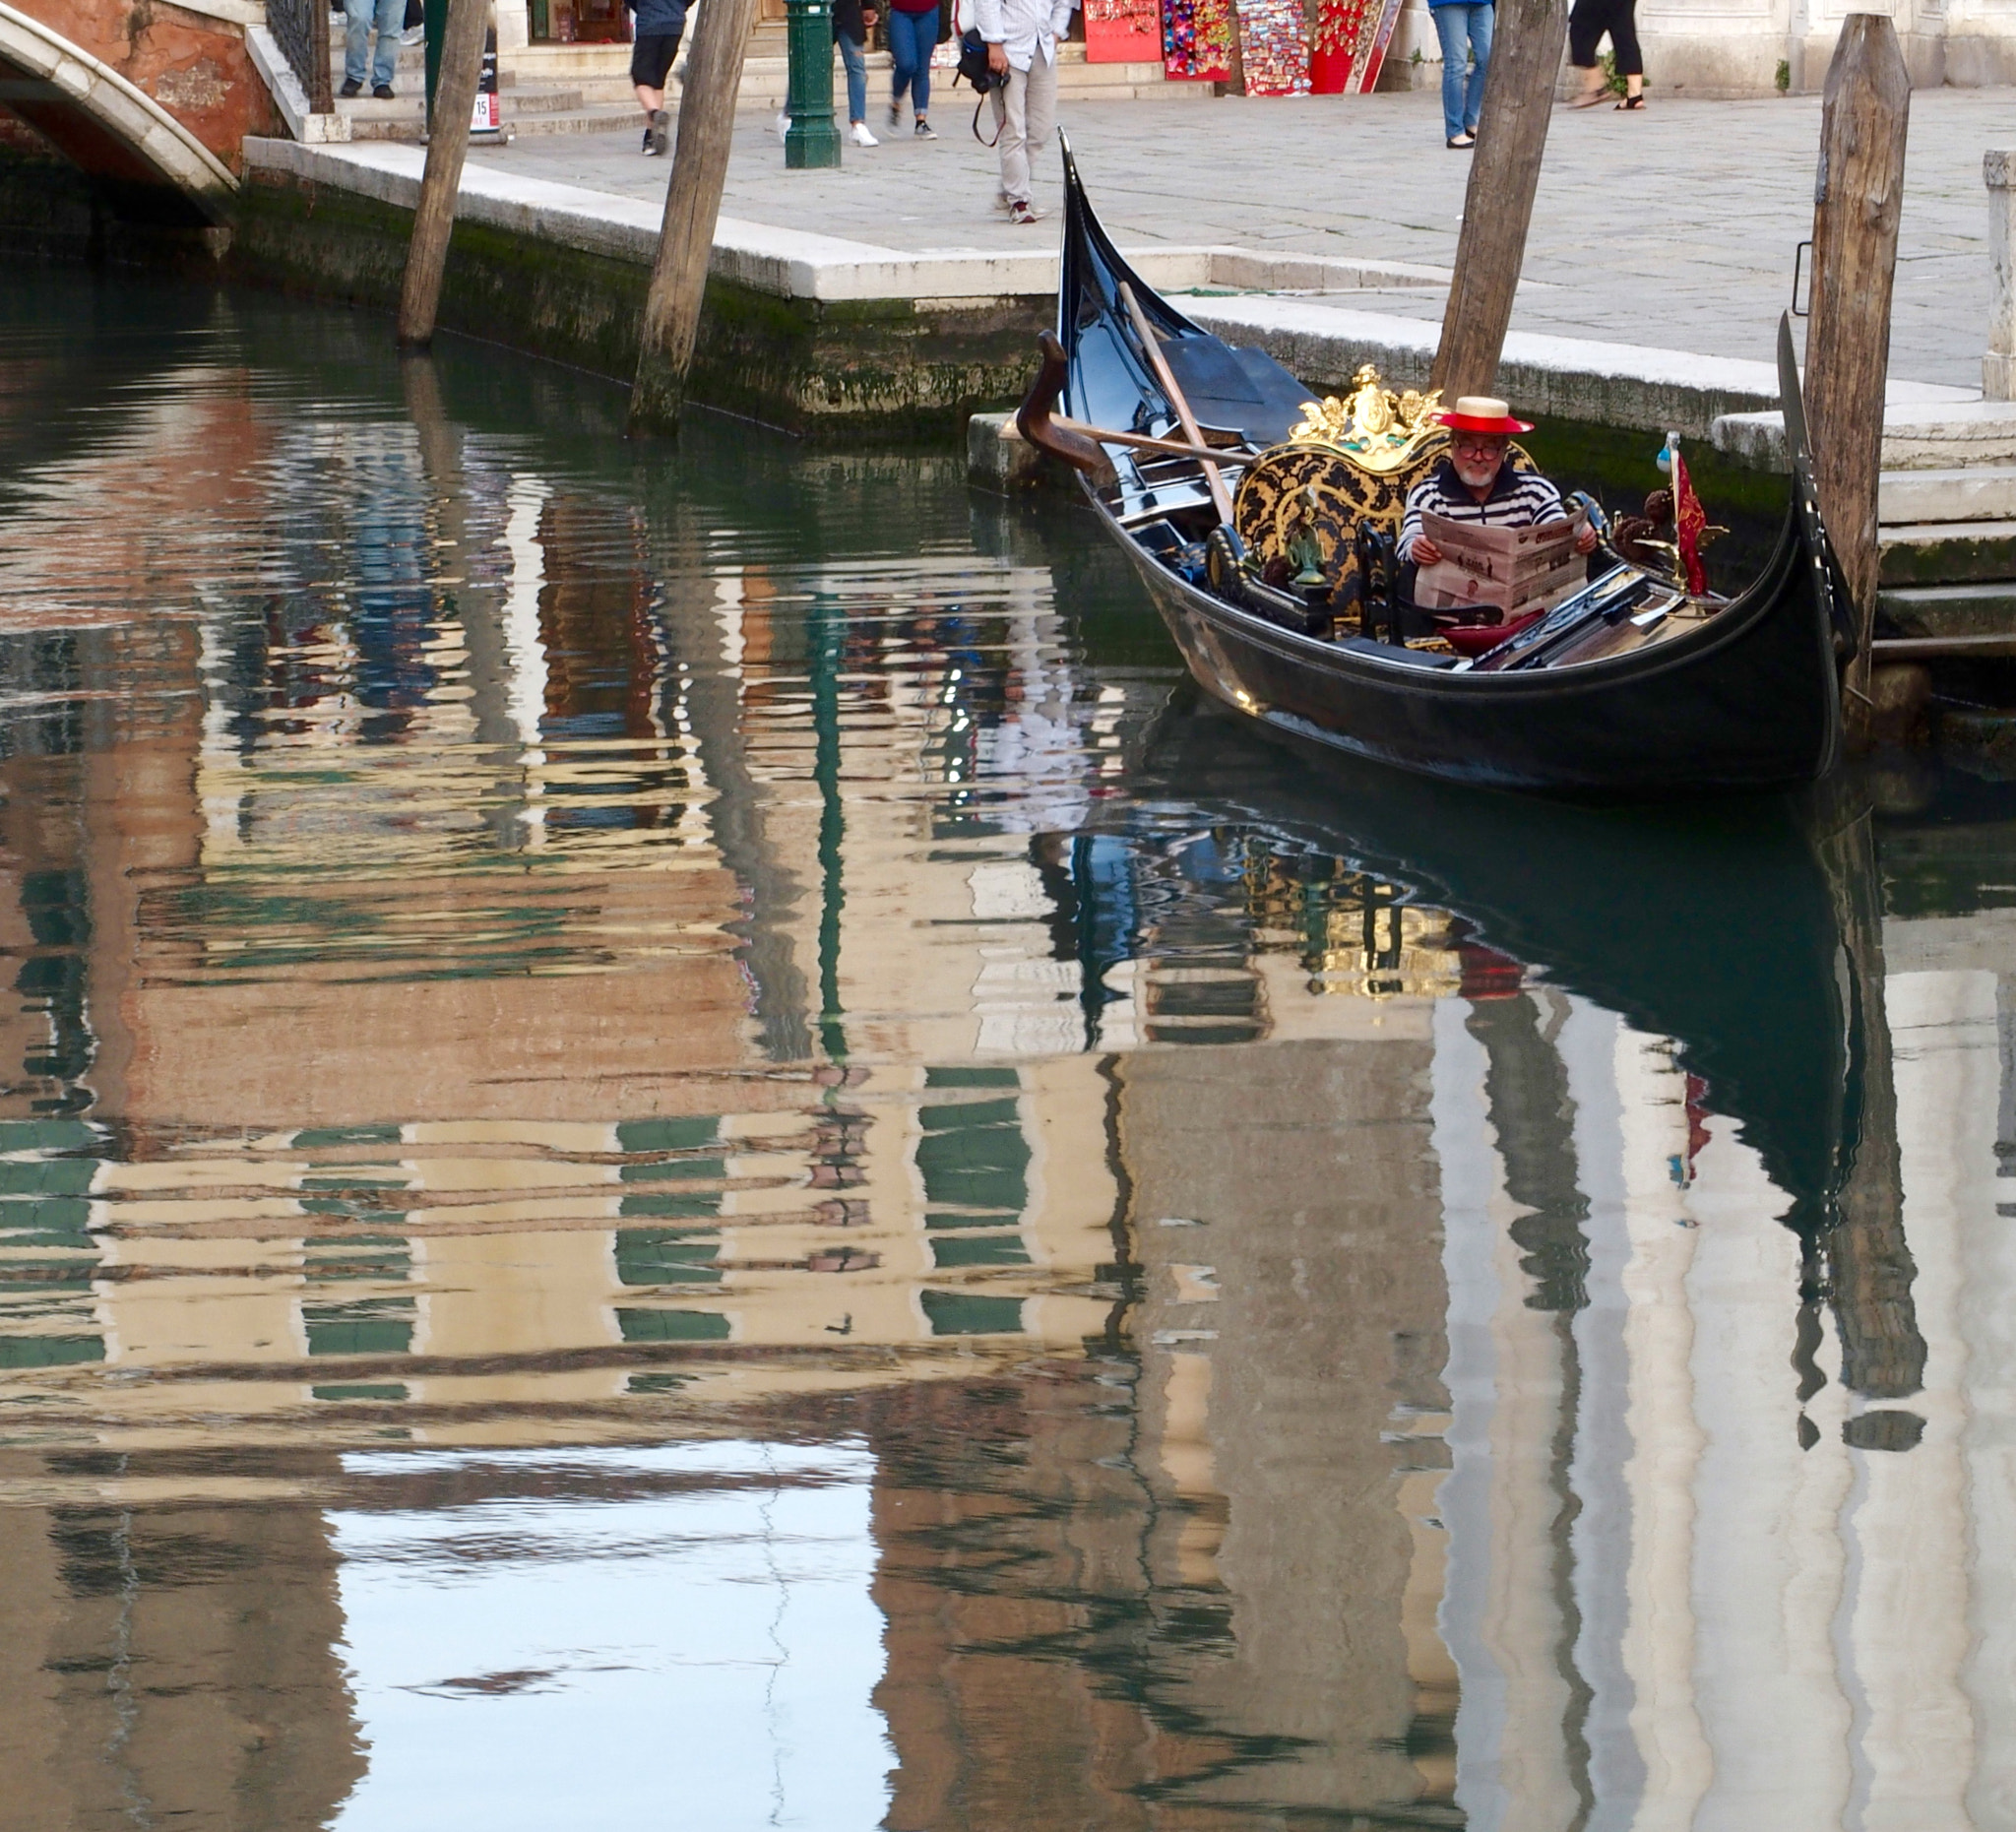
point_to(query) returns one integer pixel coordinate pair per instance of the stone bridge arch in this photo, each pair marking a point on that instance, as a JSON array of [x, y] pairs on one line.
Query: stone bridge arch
[[102, 119]]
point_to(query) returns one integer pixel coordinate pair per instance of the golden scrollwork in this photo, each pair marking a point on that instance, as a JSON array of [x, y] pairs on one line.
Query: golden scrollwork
[[1378, 429]]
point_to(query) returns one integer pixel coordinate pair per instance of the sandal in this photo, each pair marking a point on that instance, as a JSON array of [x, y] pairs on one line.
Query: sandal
[[1632, 104], [1589, 96]]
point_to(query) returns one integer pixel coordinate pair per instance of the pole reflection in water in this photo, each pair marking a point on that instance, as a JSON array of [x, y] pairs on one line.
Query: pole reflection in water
[[678, 1141]]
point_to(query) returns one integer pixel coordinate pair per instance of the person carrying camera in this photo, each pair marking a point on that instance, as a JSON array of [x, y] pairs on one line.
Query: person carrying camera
[[1021, 36]]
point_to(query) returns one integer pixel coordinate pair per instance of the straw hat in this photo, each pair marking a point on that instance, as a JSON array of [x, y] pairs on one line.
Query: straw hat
[[1484, 414]]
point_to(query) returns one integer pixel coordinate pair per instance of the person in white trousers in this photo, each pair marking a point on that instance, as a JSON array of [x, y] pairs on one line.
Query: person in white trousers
[[1021, 36]]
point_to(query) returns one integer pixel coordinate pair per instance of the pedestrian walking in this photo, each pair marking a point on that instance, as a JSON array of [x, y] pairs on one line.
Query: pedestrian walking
[[362, 58], [660, 25], [1021, 36], [852, 24], [912, 37], [1465, 28], [1588, 22]]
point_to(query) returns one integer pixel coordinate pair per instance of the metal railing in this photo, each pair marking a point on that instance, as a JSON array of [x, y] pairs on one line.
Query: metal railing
[[301, 28]]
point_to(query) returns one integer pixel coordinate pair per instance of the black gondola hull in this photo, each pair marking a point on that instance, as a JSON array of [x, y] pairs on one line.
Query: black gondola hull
[[1746, 699], [1744, 703]]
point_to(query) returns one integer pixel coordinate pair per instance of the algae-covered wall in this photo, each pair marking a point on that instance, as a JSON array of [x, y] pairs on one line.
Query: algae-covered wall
[[887, 368]]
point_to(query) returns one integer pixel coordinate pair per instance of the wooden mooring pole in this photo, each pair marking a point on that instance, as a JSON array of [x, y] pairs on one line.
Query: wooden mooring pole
[[1857, 200], [700, 168], [455, 101], [1511, 138]]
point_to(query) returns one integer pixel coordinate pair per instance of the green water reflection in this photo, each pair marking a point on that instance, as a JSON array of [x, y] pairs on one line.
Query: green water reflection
[[681, 1144]]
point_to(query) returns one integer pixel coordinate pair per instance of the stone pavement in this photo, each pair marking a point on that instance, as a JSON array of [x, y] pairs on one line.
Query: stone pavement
[[1674, 228]]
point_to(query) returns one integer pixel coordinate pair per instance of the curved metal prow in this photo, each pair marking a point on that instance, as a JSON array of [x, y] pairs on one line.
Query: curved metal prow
[[1033, 418], [1828, 584]]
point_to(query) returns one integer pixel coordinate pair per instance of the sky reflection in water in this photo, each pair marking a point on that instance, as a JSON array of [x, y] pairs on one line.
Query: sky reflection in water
[[681, 1145]]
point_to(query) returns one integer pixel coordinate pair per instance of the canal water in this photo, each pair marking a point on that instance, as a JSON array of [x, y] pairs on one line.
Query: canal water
[[682, 1145]]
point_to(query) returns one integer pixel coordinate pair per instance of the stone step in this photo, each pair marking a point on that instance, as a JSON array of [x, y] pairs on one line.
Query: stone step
[[525, 110], [1935, 553], [602, 71], [1986, 607], [1969, 493], [523, 99], [608, 120]]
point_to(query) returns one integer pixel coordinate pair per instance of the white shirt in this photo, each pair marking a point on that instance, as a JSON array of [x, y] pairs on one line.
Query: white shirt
[[1028, 29]]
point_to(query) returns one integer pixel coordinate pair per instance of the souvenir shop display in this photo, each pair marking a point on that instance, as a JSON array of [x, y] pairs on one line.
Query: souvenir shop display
[[1122, 32], [1196, 40], [1274, 46]]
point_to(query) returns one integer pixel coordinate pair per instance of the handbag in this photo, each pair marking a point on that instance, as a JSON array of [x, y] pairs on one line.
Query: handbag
[[980, 75], [972, 64]]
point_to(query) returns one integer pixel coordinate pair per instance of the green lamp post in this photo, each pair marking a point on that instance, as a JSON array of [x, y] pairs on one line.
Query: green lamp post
[[812, 139]]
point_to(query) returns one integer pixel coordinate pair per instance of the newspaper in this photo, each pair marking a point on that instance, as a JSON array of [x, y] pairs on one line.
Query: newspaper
[[1516, 569]]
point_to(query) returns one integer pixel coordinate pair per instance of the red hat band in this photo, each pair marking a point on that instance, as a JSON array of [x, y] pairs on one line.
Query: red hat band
[[1484, 414]]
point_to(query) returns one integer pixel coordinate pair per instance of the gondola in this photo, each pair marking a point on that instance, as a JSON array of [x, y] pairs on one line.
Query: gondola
[[1631, 686]]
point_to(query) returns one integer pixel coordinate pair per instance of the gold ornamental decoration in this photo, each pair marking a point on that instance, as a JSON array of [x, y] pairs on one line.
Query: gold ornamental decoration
[[1344, 463], [1378, 429]]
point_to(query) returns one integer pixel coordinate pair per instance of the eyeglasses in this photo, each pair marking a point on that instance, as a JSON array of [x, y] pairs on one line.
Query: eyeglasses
[[1479, 447]]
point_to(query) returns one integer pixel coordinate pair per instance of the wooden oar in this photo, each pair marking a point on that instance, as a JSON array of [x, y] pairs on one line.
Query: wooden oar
[[1141, 442], [1220, 497]]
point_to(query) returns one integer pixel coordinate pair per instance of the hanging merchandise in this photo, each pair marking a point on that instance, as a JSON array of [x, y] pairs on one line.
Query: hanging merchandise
[[1196, 40], [1348, 48], [1122, 32], [1274, 44]]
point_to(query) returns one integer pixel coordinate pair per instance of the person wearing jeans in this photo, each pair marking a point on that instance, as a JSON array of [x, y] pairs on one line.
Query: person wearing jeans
[[1465, 28], [1021, 36], [361, 18], [912, 37], [851, 21]]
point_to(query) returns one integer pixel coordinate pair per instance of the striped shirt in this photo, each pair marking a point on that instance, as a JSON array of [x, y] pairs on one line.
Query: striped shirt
[[1517, 499]]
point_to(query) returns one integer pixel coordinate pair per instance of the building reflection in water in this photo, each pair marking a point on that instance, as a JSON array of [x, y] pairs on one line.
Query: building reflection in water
[[650, 1162]]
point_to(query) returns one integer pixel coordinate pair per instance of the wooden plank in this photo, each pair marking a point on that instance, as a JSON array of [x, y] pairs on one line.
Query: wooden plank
[[1857, 200], [685, 244], [455, 100], [1497, 207]]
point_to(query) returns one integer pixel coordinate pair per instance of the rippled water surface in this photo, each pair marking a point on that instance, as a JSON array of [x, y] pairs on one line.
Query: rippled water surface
[[681, 1144]]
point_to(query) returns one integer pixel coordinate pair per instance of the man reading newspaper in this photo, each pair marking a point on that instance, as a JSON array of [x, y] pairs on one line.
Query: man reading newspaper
[[1474, 483]]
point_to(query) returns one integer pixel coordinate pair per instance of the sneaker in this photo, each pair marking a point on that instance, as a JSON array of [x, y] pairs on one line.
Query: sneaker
[[650, 147], [1020, 212], [783, 123], [860, 136], [383, 92], [413, 34], [922, 130], [895, 118], [659, 132], [350, 88]]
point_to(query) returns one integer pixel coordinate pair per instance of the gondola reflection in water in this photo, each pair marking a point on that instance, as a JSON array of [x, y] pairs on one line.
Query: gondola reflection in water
[[1631, 686]]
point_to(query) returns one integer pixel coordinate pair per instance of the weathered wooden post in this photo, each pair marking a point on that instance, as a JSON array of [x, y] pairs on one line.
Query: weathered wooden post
[[700, 168], [1504, 174], [1857, 200], [1868, 1260], [455, 101], [1998, 366]]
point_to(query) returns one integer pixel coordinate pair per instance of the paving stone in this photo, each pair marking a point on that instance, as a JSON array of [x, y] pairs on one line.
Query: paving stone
[[1675, 227]]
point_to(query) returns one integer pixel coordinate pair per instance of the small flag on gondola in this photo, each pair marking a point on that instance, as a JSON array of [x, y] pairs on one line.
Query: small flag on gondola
[[1690, 520]]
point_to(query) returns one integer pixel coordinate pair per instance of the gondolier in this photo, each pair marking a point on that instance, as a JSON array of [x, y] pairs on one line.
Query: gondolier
[[1476, 483]]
